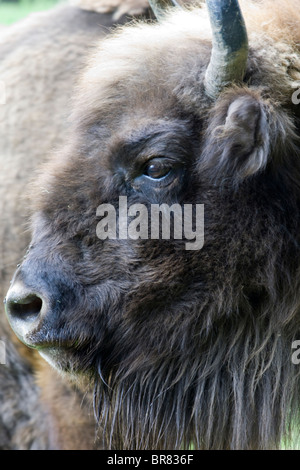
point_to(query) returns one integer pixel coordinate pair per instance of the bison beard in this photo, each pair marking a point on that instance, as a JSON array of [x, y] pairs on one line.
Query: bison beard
[[180, 348]]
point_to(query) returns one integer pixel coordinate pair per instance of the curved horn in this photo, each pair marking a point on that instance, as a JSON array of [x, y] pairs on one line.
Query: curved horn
[[160, 7], [230, 46]]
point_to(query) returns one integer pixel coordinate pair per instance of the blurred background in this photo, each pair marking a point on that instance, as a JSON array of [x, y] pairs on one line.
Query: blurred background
[[14, 10]]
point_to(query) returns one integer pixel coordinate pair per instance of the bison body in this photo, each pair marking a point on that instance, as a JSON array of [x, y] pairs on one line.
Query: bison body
[[179, 347], [40, 58]]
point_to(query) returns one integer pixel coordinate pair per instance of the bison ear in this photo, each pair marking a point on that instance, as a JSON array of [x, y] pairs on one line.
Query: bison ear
[[237, 141]]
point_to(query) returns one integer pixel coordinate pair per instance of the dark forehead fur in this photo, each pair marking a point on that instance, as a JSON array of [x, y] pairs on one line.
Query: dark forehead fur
[[148, 72], [185, 347]]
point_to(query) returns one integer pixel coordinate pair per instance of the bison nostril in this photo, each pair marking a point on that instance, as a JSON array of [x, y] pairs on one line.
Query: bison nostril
[[26, 309]]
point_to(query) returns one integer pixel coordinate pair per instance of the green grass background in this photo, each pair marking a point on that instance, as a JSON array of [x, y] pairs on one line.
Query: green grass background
[[14, 10]]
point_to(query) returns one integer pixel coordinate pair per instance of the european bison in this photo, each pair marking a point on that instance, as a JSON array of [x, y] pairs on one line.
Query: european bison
[[40, 58], [178, 346]]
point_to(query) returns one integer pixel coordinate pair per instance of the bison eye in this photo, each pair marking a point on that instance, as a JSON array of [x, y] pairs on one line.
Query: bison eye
[[157, 168]]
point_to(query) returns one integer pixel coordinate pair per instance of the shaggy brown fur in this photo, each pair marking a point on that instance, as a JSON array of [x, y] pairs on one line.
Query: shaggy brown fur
[[39, 61], [181, 347]]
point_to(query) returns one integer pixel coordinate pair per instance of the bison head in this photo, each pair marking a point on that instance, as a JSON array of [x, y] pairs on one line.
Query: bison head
[[181, 345]]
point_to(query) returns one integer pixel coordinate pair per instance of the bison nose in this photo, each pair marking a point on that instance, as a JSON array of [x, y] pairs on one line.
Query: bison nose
[[23, 309]]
